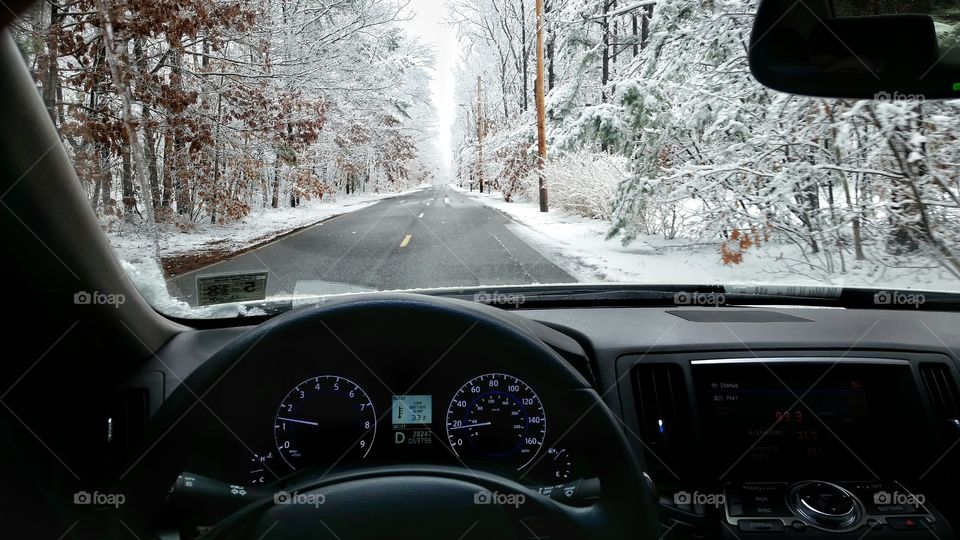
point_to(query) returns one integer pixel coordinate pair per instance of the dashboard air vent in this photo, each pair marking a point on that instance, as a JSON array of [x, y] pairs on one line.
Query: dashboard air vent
[[113, 425], [663, 411], [941, 390], [127, 422]]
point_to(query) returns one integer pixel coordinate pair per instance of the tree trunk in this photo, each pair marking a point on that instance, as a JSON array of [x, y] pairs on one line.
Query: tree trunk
[[855, 222], [150, 154], [172, 188], [101, 148], [169, 171], [857, 239], [275, 198], [645, 26], [53, 55], [95, 198], [550, 42], [106, 179], [504, 91], [480, 130], [126, 184], [217, 195], [605, 57], [150, 142], [174, 176], [614, 37], [807, 202], [524, 60]]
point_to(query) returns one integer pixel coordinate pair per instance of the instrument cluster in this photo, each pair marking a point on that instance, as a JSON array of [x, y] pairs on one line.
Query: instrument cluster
[[494, 420]]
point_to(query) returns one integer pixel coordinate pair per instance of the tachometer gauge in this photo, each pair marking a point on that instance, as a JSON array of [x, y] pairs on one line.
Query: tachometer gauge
[[496, 416], [324, 419]]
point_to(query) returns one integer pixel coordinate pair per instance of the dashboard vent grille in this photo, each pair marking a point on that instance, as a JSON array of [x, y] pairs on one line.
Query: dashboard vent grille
[[113, 426], [127, 423], [941, 390], [663, 411]]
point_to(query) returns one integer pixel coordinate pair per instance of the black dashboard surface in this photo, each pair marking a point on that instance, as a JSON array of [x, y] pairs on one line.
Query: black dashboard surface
[[615, 341], [608, 335]]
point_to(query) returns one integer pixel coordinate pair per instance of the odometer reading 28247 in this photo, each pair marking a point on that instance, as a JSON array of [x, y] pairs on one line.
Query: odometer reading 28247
[[499, 416]]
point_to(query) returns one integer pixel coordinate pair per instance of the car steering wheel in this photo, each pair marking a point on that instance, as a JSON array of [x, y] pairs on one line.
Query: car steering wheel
[[404, 500]]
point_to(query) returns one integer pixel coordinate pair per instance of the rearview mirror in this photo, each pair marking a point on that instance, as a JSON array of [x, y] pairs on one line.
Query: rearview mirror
[[858, 49]]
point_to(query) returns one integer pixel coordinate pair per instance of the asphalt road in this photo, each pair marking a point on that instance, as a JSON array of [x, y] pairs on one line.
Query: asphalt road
[[435, 237]]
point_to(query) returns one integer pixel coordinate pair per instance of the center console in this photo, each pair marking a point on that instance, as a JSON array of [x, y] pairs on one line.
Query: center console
[[842, 506], [831, 446]]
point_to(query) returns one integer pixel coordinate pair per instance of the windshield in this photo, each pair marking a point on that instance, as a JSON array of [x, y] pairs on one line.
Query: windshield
[[244, 153]]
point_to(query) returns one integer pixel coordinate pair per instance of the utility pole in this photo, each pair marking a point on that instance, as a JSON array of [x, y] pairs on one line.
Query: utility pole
[[480, 134], [541, 111]]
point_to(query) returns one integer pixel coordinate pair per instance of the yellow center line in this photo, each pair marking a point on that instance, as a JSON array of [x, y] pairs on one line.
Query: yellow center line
[[406, 240]]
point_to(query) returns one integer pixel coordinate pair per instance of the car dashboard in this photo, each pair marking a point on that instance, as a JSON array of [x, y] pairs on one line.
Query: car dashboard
[[773, 421]]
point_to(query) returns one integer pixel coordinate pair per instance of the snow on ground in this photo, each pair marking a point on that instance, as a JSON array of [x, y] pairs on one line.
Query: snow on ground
[[261, 225], [580, 246], [134, 247]]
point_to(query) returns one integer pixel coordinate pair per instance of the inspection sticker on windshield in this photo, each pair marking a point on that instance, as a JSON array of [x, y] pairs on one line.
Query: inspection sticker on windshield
[[228, 288]]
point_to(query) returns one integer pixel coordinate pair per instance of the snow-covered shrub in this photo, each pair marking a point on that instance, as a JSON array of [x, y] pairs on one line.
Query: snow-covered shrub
[[582, 183]]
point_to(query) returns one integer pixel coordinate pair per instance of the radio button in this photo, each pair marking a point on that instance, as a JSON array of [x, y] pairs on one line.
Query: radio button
[[765, 506], [764, 500]]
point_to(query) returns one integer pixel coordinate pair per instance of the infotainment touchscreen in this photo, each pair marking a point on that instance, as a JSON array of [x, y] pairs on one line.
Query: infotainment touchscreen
[[761, 419]]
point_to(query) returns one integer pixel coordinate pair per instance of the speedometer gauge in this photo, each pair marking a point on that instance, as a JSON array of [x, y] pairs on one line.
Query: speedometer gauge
[[323, 420], [497, 416]]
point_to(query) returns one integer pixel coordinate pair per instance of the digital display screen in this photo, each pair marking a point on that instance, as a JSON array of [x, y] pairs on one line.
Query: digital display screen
[[758, 421], [412, 410]]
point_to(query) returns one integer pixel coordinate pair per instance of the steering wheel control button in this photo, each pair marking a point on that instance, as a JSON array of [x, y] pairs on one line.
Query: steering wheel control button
[[562, 492], [760, 525], [568, 492], [825, 505], [547, 491]]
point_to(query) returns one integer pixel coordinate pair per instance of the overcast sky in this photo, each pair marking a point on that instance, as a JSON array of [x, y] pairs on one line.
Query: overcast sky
[[428, 23]]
